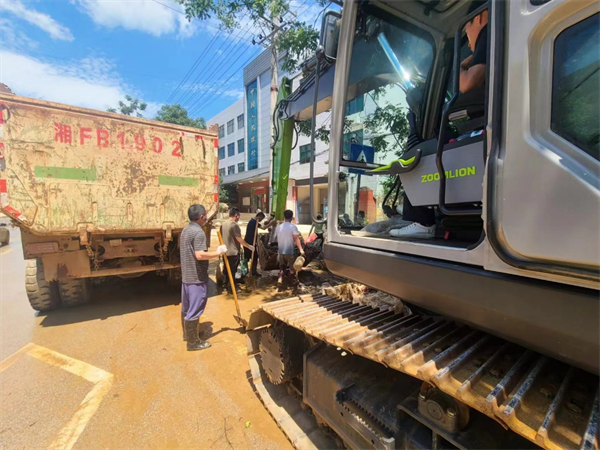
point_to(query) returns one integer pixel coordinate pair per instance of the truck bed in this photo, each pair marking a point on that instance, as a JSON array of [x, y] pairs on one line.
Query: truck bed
[[63, 168]]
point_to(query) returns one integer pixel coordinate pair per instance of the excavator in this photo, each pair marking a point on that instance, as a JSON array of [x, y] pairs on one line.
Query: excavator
[[495, 340]]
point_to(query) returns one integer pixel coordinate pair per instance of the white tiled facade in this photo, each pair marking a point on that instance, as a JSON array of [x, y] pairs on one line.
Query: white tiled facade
[[226, 139]]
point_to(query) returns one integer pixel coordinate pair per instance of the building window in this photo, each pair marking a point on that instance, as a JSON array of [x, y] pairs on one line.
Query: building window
[[354, 137], [221, 152], [576, 85], [230, 149], [241, 146], [221, 173], [231, 170], [222, 131], [240, 121], [355, 106], [230, 127], [240, 167], [304, 154]]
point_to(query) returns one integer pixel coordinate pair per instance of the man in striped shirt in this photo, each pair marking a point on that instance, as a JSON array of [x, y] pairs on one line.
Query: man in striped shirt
[[194, 270]]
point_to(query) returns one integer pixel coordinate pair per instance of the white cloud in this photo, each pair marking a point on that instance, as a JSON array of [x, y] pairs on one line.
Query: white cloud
[[151, 110], [147, 16], [90, 82], [203, 89], [13, 38], [36, 18]]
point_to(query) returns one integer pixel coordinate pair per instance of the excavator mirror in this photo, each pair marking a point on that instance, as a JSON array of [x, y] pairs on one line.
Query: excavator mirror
[[330, 33]]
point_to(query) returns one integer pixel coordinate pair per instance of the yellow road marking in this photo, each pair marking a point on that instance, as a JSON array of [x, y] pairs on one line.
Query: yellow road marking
[[73, 429], [102, 380], [4, 252], [9, 361]]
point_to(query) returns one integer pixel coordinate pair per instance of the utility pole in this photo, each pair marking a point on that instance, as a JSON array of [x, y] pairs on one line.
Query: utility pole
[[274, 92], [276, 25]]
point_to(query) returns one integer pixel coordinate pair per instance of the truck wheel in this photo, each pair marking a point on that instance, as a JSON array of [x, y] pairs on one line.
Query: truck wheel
[[174, 279], [43, 296], [4, 236], [75, 291]]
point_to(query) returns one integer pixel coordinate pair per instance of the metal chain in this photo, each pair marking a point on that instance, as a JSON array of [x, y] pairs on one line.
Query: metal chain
[[164, 249], [92, 255]]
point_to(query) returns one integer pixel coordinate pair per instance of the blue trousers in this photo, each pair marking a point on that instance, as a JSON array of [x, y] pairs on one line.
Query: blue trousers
[[193, 299]]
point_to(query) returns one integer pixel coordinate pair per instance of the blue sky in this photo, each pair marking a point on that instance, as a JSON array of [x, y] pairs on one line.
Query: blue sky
[[92, 53]]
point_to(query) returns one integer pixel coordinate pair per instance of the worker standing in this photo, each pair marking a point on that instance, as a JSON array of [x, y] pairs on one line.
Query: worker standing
[[288, 237], [194, 272], [249, 238], [319, 227], [232, 239]]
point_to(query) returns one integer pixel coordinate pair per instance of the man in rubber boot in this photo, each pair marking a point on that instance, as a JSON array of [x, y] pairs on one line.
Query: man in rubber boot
[[194, 271], [233, 241]]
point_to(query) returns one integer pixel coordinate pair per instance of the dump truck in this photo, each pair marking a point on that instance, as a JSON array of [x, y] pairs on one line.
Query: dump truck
[[97, 194], [494, 341]]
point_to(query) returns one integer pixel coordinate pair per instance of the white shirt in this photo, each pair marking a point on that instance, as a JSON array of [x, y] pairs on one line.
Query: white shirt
[[285, 237]]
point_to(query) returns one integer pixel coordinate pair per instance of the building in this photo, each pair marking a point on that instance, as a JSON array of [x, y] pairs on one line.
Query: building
[[244, 149]]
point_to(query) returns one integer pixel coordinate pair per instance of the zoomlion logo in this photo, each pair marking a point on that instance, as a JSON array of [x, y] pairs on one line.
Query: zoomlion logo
[[457, 173]]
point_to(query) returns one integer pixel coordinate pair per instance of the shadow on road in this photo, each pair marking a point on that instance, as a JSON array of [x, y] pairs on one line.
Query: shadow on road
[[116, 297]]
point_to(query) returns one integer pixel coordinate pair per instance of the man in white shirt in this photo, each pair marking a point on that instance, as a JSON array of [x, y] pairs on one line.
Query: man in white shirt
[[288, 237]]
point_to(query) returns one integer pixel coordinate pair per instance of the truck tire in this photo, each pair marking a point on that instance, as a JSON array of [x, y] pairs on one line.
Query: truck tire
[[74, 292], [174, 279], [4, 235], [43, 296]]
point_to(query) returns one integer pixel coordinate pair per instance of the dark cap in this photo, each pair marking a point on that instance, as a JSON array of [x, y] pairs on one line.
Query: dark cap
[[476, 4]]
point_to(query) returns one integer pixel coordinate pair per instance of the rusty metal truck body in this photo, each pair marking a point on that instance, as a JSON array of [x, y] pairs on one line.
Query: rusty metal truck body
[[98, 194]]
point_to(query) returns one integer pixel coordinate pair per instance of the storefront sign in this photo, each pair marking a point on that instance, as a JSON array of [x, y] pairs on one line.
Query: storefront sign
[[252, 102]]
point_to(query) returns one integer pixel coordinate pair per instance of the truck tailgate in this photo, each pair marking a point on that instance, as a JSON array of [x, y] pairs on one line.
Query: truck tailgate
[[64, 167]]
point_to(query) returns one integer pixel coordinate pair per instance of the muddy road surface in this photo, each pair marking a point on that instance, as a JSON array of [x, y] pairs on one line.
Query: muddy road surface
[[115, 374]]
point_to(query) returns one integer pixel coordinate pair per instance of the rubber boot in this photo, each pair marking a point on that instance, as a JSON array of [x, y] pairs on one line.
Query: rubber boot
[[193, 341], [183, 326]]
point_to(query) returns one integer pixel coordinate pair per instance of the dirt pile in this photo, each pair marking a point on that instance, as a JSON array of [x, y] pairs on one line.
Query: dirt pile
[[364, 295]]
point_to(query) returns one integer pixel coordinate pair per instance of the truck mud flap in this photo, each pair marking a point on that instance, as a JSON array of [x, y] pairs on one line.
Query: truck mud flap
[[544, 400]]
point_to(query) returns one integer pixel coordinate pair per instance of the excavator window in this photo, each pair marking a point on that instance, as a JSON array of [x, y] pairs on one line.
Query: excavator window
[[389, 76]]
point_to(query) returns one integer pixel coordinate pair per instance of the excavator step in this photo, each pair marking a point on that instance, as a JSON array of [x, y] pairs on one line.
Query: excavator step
[[552, 404]]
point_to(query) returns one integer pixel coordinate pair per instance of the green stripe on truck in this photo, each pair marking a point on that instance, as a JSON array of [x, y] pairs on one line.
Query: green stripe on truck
[[166, 180], [65, 173]]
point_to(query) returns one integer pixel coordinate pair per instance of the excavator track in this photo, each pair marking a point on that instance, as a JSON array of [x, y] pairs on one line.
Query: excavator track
[[548, 402]]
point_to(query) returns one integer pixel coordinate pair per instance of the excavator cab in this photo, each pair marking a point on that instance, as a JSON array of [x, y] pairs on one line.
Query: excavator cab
[[496, 344], [511, 170], [390, 92]]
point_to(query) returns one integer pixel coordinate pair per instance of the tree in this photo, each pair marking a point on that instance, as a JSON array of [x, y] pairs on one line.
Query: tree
[[132, 106], [293, 39], [178, 115]]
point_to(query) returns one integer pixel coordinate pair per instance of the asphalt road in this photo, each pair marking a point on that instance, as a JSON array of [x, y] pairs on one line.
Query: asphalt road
[[114, 374]]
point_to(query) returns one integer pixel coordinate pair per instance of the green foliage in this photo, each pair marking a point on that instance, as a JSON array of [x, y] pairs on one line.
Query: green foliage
[[296, 42], [293, 41], [321, 133], [178, 115], [228, 194], [389, 117], [133, 106]]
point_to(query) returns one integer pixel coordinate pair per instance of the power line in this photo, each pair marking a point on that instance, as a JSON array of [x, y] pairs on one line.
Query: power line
[[191, 70], [254, 55], [187, 96], [210, 99]]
